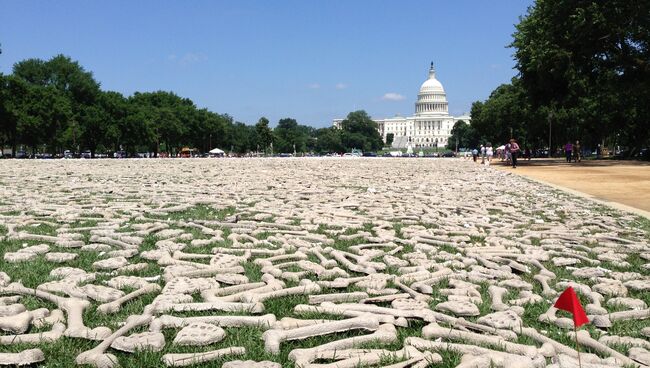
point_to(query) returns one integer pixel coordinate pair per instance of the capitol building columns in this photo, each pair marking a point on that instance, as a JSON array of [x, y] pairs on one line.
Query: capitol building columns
[[429, 127]]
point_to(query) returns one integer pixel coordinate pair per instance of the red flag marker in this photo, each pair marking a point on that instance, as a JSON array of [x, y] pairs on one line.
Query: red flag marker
[[568, 301]]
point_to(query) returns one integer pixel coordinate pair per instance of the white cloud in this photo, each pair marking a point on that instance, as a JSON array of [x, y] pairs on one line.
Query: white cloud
[[391, 96], [192, 57], [341, 86], [314, 86], [187, 58]]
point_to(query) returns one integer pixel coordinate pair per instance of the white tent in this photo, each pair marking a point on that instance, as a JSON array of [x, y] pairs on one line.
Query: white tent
[[217, 151]]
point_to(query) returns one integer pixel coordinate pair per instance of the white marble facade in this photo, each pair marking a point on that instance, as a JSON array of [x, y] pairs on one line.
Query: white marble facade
[[429, 127]]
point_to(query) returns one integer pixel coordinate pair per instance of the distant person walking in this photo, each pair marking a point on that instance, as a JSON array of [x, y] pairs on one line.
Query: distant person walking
[[507, 151], [528, 153], [474, 154], [482, 155], [514, 151], [568, 149], [489, 152], [576, 152]]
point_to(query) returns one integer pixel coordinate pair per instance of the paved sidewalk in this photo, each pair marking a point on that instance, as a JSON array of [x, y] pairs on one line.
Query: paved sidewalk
[[622, 182]]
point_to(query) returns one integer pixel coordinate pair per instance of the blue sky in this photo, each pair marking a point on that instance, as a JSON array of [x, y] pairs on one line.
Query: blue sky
[[310, 60]]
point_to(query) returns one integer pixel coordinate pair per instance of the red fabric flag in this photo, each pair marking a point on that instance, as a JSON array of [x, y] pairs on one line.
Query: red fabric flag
[[568, 301]]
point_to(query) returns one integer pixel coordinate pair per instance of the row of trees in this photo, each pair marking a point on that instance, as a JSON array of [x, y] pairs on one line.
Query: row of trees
[[56, 105], [584, 74]]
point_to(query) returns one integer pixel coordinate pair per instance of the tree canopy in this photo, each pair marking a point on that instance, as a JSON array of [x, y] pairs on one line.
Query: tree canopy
[[359, 131], [462, 136], [584, 70], [55, 105]]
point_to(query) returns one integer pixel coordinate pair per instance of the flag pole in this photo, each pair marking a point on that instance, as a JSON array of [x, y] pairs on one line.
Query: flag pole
[[577, 345]]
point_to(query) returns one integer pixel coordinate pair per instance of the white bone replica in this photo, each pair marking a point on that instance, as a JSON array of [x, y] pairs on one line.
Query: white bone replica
[[145, 341], [97, 356], [494, 358], [273, 338], [340, 311], [497, 293], [350, 358], [332, 233], [17, 323], [115, 305], [25, 357], [250, 364], [585, 339], [605, 321], [35, 338], [198, 334], [435, 331], [71, 306], [165, 321], [338, 297], [384, 334], [304, 289], [255, 307], [182, 360]]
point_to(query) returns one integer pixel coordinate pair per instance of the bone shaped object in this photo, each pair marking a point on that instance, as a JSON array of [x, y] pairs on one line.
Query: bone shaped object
[[148, 341], [35, 338], [433, 330], [199, 334], [116, 305], [25, 357], [385, 334], [73, 307], [262, 322], [273, 338], [97, 356], [496, 358], [182, 360]]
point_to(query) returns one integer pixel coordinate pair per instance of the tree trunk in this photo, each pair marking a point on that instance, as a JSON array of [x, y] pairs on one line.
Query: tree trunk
[[13, 146]]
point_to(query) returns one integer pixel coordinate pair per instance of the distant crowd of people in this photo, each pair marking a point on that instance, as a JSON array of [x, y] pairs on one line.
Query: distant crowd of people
[[511, 152], [508, 153]]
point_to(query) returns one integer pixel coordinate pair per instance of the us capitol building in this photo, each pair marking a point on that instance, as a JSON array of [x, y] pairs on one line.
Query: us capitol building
[[429, 127]]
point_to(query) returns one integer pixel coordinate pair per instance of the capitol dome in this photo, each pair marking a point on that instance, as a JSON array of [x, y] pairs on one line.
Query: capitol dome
[[432, 98]]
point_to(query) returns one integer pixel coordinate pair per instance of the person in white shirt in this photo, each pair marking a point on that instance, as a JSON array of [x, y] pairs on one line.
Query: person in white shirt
[[489, 152]]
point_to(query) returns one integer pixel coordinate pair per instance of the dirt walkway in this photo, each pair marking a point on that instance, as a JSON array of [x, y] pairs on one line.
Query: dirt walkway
[[624, 182]]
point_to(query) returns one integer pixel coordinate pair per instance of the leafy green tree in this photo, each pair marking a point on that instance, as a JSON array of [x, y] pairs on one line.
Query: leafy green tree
[[241, 137], [62, 79], [219, 125], [360, 131], [6, 124], [505, 114], [390, 137], [462, 136], [264, 134], [586, 66], [38, 113], [289, 134], [328, 140], [93, 127], [115, 108], [167, 117]]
